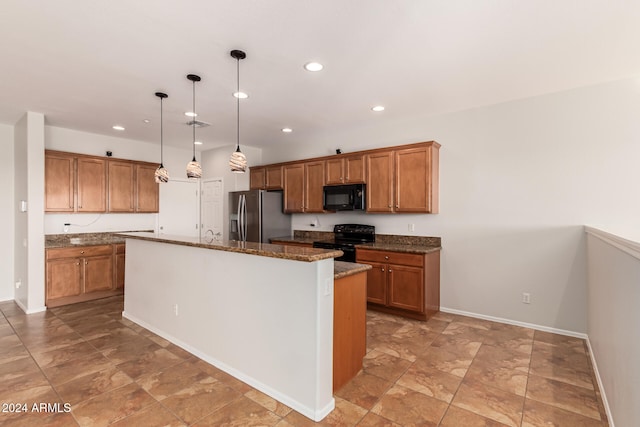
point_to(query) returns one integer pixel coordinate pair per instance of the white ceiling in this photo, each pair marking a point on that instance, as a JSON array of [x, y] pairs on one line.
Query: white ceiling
[[88, 65]]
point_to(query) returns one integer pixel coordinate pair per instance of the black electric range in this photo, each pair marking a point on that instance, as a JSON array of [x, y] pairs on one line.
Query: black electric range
[[346, 236]]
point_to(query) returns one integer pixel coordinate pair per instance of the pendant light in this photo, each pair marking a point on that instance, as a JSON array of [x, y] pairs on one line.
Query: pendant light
[[194, 170], [238, 161], [161, 174]]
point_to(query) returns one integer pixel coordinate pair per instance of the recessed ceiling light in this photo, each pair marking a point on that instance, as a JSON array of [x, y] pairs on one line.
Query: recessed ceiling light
[[240, 95], [313, 66], [117, 127], [190, 114], [377, 108], [198, 143], [287, 130]]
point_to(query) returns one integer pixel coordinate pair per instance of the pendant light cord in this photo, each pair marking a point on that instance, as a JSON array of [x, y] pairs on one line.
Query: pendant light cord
[[238, 104], [161, 136], [194, 120]]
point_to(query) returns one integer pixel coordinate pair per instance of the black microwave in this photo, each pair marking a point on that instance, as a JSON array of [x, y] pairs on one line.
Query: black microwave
[[344, 197]]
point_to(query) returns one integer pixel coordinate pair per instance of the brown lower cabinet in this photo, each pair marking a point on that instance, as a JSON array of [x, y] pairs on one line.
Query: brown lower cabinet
[[349, 327], [401, 283], [83, 273]]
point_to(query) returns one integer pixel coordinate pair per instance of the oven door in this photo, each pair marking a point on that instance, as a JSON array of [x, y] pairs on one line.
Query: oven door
[[349, 252]]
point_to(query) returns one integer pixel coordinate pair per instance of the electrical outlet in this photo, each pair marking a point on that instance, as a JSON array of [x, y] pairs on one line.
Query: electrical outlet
[[175, 309], [18, 284], [327, 287], [411, 227], [526, 298]]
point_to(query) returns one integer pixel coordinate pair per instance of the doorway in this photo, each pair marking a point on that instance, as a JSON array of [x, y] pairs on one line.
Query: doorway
[[212, 209]]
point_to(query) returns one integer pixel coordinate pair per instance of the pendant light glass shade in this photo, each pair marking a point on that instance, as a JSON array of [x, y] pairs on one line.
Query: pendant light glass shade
[[194, 170], [238, 161], [161, 175]]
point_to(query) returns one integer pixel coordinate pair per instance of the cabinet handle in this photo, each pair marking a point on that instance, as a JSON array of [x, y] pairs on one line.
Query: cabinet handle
[[390, 270], [386, 257], [87, 263], [81, 252], [78, 263], [397, 206], [389, 205], [382, 269]]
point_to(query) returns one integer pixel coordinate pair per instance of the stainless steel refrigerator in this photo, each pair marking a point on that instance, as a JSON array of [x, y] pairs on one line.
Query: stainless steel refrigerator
[[256, 216]]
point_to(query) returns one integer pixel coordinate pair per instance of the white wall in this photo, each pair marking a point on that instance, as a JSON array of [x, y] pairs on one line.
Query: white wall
[[175, 160], [215, 164], [7, 208], [614, 322], [29, 231], [517, 182]]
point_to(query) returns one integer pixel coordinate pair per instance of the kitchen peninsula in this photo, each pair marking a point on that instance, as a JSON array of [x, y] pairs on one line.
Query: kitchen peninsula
[[261, 312]]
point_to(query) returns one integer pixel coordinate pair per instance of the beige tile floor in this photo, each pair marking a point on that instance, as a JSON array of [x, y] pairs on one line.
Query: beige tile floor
[[451, 371]]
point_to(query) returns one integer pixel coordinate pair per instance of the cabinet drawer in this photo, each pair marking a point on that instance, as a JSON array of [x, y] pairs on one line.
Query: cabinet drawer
[[402, 258], [82, 251]]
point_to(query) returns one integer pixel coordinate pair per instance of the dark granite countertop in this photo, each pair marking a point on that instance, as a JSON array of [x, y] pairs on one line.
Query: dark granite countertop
[[289, 239], [343, 269], [81, 239], [296, 253]]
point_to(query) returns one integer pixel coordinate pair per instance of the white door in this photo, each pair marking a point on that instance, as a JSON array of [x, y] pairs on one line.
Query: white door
[[179, 208], [212, 215]]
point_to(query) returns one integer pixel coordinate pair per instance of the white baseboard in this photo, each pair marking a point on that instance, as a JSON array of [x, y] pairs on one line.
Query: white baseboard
[[516, 323], [33, 310], [605, 402]]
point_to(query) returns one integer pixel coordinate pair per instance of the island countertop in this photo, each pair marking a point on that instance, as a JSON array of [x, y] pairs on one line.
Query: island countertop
[[261, 249]]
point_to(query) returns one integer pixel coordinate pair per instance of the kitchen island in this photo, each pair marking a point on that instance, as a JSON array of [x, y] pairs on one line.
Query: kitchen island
[[263, 313]]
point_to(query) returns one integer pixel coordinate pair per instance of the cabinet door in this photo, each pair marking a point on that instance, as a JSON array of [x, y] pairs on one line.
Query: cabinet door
[[98, 273], [119, 267], [412, 180], [313, 189], [59, 183], [380, 182], [406, 287], [334, 169], [354, 169], [376, 283], [273, 176], [257, 178], [294, 188], [147, 189], [121, 185], [92, 185], [63, 278]]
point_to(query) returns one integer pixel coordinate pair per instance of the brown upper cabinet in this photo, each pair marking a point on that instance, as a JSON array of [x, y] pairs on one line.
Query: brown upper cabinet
[[403, 180], [345, 170], [266, 177], [74, 184], [303, 183], [147, 194], [121, 186], [81, 183]]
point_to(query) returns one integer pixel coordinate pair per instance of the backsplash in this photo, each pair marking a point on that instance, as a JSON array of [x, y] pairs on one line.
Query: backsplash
[[389, 239]]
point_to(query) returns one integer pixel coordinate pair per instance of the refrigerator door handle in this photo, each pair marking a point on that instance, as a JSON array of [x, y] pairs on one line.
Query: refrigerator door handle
[[239, 216], [244, 217]]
